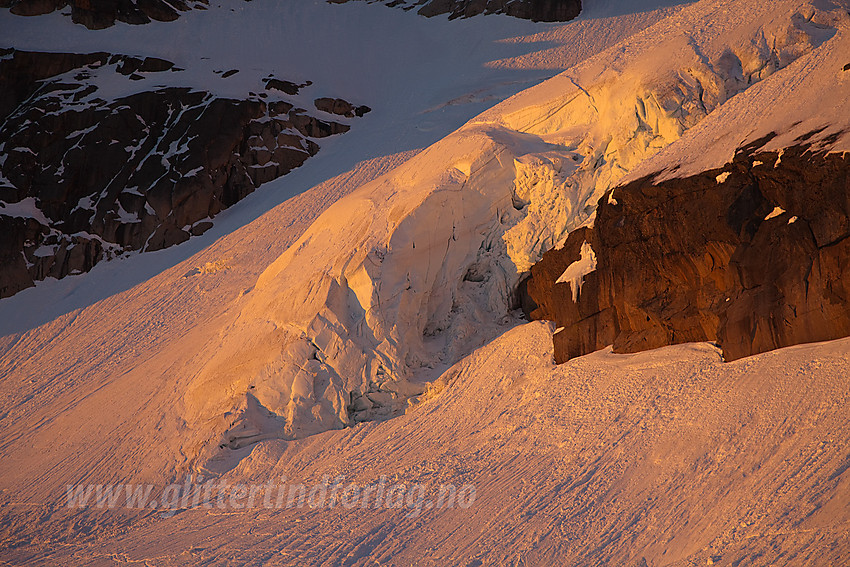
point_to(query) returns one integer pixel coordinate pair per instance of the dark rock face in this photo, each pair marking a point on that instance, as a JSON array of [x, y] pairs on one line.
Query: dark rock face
[[287, 87], [536, 10], [340, 107], [754, 256], [100, 14], [83, 179]]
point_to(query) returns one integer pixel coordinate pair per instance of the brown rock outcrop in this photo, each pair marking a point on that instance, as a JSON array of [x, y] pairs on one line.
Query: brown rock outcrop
[[340, 107], [754, 256]]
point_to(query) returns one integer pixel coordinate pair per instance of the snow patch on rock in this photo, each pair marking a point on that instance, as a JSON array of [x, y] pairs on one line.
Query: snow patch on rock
[[25, 208], [575, 272], [775, 213]]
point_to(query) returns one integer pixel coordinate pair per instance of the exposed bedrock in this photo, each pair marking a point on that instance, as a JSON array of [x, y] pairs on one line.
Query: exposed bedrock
[[537, 10], [99, 14], [83, 179], [754, 256]]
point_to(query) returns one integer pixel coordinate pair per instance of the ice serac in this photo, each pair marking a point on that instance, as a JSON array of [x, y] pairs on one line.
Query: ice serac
[[536, 10], [420, 267], [404, 277], [145, 169], [751, 253]]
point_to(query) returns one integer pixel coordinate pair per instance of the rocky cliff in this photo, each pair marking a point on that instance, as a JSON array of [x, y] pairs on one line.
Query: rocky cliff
[[754, 256], [537, 10], [99, 14], [85, 177]]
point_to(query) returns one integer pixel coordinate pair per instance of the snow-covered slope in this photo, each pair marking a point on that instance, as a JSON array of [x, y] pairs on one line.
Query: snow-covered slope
[[129, 153], [109, 378], [809, 98], [410, 74], [260, 355], [421, 266], [168, 326], [668, 458]]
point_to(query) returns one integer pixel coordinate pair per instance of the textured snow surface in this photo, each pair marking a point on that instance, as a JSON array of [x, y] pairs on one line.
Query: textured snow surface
[[807, 101], [139, 347], [670, 455]]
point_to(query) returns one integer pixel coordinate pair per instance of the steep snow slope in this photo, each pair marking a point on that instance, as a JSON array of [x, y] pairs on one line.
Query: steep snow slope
[[810, 99], [666, 458], [129, 360], [410, 74], [98, 390], [419, 267]]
